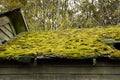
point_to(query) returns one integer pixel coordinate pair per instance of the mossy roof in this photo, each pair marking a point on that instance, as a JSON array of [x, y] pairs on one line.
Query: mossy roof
[[70, 43]]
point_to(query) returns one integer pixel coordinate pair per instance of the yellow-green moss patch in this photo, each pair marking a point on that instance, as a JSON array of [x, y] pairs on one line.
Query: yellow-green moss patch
[[72, 43]]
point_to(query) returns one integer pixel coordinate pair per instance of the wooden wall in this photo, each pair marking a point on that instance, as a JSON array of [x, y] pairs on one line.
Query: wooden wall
[[61, 70]]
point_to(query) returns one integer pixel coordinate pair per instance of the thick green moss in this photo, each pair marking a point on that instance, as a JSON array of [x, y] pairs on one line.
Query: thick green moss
[[72, 43]]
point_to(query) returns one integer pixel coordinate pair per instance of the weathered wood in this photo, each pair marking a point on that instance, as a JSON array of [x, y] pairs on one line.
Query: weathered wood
[[3, 36], [7, 31], [12, 23], [58, 70], [4, 20], [10, 27], [25, 23], [59, 77], [17, 19]]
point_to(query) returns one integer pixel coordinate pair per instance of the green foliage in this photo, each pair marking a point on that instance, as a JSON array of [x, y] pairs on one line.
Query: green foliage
[[70, 43], [57, 14]]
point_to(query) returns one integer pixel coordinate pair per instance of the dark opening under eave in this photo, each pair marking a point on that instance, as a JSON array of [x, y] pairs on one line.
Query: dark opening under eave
[[117, 45]]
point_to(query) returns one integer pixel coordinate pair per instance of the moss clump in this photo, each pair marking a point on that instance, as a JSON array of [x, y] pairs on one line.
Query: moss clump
[[72, 43]]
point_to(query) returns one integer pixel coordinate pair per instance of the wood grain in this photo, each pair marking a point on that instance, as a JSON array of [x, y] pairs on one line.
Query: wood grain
[[81, 70], [4, 20]]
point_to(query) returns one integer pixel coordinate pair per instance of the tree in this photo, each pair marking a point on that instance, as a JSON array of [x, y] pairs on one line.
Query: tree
[[56, 14], [110, 12]]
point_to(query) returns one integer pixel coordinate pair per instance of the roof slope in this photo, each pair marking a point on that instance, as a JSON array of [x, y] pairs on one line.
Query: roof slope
[[71, 43]]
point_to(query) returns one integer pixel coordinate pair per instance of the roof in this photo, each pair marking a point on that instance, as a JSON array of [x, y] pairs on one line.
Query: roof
[[71, 43], [17, 19], [9, 12], [12, 23]]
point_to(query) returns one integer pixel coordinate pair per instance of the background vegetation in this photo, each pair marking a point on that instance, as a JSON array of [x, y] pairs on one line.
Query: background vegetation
[[63, 14]]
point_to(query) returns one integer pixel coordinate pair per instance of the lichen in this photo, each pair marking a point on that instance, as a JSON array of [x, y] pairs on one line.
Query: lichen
[[71, 43]]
